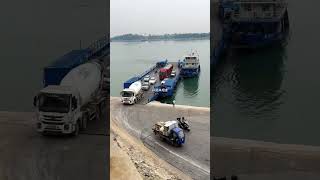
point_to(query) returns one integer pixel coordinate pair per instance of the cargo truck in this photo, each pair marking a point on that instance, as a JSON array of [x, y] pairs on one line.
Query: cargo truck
[[165, 72], [170, 132], [79, 97], [132, 94]]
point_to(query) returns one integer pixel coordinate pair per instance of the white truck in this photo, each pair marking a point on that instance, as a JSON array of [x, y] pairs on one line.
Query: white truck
[[132, 94], [80, 97]]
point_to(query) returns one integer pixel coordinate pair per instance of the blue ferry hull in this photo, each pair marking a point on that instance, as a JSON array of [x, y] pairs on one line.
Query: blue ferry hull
[[189, 72]]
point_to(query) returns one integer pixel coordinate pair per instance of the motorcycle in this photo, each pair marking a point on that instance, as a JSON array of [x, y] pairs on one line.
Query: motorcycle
[[183, 124]]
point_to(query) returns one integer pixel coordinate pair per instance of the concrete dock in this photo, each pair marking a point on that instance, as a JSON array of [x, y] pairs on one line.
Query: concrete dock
[[249, 159], [26, 154], [193, 158]]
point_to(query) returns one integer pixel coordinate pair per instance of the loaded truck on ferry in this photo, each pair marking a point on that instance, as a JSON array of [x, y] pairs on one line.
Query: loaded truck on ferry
[[132, 94], [74, 93], [165, 72]]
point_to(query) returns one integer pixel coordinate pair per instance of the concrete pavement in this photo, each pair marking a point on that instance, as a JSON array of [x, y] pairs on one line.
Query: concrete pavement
[[194, 157], [25, 154]]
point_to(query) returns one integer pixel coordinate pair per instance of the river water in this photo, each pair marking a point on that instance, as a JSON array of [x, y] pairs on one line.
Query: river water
[[34, 33], [273, 94], [133, 58]]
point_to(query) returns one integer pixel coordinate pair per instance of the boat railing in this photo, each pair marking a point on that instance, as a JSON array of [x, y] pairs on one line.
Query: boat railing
[[258, 15], [97, 47], [258, 9]]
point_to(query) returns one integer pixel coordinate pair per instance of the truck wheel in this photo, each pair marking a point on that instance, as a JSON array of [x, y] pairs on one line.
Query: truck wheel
[[84, 122], [77, 129]]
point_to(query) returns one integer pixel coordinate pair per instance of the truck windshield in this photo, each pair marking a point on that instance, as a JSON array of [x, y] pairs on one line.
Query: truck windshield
[[54, 102], [180, 134], [126, 94]]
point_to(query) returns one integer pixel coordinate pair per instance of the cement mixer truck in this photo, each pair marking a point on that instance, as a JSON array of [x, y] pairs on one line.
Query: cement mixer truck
[[132, 94], [78, 98]]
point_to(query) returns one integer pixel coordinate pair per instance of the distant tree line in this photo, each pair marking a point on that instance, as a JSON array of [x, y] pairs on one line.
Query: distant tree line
[[137, 37]]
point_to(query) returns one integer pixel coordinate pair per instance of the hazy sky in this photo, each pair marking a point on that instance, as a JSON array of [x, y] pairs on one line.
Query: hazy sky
[[159, 16]]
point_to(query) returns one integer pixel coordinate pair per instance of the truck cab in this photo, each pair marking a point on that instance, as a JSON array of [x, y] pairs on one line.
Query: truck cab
[[128, 96], [58, 110], [178, 136], [132, 94]]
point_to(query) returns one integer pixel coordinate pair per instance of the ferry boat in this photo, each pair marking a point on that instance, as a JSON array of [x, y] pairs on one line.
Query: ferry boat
[[190, 65], [255, 23]]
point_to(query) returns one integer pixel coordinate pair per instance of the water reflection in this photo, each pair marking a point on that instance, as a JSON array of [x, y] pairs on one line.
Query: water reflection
[[247, 93], [257, 82], [190, 86]]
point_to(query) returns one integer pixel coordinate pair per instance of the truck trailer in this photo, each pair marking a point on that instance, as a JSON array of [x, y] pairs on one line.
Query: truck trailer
[[66, 107]]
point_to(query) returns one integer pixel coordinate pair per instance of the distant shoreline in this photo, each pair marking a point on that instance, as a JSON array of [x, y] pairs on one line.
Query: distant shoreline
[[160, 40], [165, 37]]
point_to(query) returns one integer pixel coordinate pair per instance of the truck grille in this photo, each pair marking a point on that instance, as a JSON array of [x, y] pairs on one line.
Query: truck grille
[[52, 118], [53, 123]]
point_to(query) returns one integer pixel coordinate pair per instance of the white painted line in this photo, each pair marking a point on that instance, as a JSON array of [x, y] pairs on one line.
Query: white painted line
[[206, 170]]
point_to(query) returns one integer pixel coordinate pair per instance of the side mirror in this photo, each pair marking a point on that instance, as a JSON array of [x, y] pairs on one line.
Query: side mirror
[[35, 98], [74, 103]]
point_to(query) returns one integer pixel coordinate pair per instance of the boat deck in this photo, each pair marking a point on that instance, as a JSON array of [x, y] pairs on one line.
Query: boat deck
[[150, 95]]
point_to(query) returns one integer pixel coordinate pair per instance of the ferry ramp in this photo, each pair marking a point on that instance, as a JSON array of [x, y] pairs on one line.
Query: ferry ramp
[[149, 95]]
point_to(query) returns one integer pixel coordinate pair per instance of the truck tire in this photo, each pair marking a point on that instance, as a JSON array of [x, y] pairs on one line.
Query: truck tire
[[102, 110], [161, 138], [77, 129], [84, 122]]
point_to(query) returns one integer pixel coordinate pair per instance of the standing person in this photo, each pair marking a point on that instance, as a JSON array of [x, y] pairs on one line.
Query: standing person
[[173, 102]]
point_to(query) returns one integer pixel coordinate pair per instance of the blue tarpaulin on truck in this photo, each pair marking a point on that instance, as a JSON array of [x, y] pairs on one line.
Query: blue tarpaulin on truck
[[130, 81], [55, 72]]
